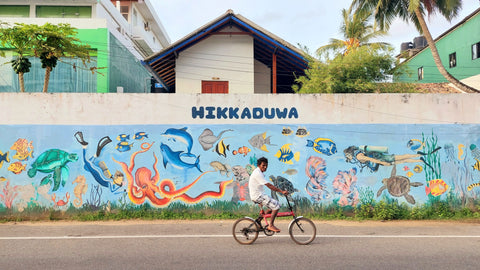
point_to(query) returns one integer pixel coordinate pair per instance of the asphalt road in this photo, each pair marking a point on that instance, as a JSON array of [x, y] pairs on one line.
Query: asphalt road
[[209, 245]]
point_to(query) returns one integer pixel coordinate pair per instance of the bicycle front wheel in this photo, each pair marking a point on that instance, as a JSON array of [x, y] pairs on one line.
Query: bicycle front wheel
[[245, 231], [302, 231]]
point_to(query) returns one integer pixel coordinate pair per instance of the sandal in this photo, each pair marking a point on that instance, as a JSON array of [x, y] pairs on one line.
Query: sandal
[[273, 228]]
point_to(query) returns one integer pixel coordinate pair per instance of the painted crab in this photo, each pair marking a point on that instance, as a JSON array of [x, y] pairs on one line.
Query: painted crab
[[60, 202]]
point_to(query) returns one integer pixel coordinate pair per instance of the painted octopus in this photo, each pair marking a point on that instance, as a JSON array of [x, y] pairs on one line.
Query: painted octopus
[[142, 185]]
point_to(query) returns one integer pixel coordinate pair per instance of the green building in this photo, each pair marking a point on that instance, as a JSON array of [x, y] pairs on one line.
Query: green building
[[459, 49], [120, 33]]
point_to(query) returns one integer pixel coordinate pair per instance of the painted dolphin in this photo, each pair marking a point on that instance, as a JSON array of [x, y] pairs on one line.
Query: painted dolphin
[[169, 156], [182, 136]]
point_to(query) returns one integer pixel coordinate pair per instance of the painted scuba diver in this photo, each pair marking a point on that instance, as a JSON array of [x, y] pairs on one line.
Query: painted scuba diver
[[374, 156], [98, 169]]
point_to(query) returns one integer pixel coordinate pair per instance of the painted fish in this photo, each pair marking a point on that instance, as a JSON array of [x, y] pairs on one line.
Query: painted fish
[[436, 187], [260, 140], [174, 159], [242, 150], [182, 136], [286, 155], [415, 144], [409, 174], [476, 166], [406, 168], [123, 146], [287, 131], [222, 149], [290, 172], [3, 157], [207, 139], [241, 174], [224, 169], [24, 149], [2, 179], [17, 167], [140, 135], [123, 137], [302, 132], [323, 146], [418, 169], [470, 187]]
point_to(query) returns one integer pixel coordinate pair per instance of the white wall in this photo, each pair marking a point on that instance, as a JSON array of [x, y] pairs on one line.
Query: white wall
[[262, 78], [222, 57], [124, 109]]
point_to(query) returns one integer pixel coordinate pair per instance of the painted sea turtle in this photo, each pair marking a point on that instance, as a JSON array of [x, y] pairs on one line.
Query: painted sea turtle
[[53, 160], [283, 184], [398, 186]]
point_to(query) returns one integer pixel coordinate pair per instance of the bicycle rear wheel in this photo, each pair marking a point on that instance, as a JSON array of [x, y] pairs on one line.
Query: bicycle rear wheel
[[302, 231], [245, 231]]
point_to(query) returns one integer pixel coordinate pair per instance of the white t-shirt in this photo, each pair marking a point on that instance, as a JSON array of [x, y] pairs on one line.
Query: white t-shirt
[[256, 183]]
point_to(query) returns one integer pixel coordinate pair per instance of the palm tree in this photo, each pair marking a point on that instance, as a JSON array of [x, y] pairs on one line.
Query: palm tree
[[54, 42], [356, 31], [19, 38], [414, 11]]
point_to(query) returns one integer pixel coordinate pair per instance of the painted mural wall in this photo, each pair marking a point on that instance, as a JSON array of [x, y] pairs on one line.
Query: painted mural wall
[[61, 150]]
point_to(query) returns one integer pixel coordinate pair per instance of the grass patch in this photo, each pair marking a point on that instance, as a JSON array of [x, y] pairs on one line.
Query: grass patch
[[385, 209]]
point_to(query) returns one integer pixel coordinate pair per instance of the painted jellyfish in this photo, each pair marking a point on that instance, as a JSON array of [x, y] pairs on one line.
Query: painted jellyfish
[[475, 151]]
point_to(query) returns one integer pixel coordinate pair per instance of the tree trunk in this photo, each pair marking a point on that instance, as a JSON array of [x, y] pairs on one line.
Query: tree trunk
[[47, 79], [21, 82], [436, 57]]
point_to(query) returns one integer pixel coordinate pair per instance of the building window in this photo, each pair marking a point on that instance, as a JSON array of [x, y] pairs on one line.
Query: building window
[[476, 50], [420, 73], [124, 12], [452, 60], [63, 11], [15, 11]]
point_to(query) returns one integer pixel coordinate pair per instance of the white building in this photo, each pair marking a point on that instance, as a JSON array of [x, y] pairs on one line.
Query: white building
[[228, 55]]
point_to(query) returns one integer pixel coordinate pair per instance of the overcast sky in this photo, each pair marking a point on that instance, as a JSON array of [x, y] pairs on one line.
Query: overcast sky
[[307, 22]]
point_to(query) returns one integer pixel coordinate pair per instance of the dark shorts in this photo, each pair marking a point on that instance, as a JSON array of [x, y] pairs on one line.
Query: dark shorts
[[268, 202]]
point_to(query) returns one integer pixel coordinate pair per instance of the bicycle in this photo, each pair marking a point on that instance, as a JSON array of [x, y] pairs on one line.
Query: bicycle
[[302, 230]]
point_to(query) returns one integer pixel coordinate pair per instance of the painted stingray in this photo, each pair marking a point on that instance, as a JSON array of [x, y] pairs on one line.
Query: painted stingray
[[207, 139]]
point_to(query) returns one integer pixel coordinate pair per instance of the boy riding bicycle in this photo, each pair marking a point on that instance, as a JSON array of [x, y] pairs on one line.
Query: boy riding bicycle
[[257, 195]]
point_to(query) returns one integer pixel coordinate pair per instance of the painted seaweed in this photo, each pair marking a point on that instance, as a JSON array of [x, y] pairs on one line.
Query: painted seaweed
[[9, 193]]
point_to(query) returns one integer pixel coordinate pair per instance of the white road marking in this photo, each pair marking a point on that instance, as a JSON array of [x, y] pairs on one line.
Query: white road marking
[[73, 237]]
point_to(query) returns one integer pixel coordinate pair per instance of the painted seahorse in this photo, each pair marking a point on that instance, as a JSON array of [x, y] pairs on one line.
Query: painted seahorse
[[473, 185], [79, 190], [460, 151]]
